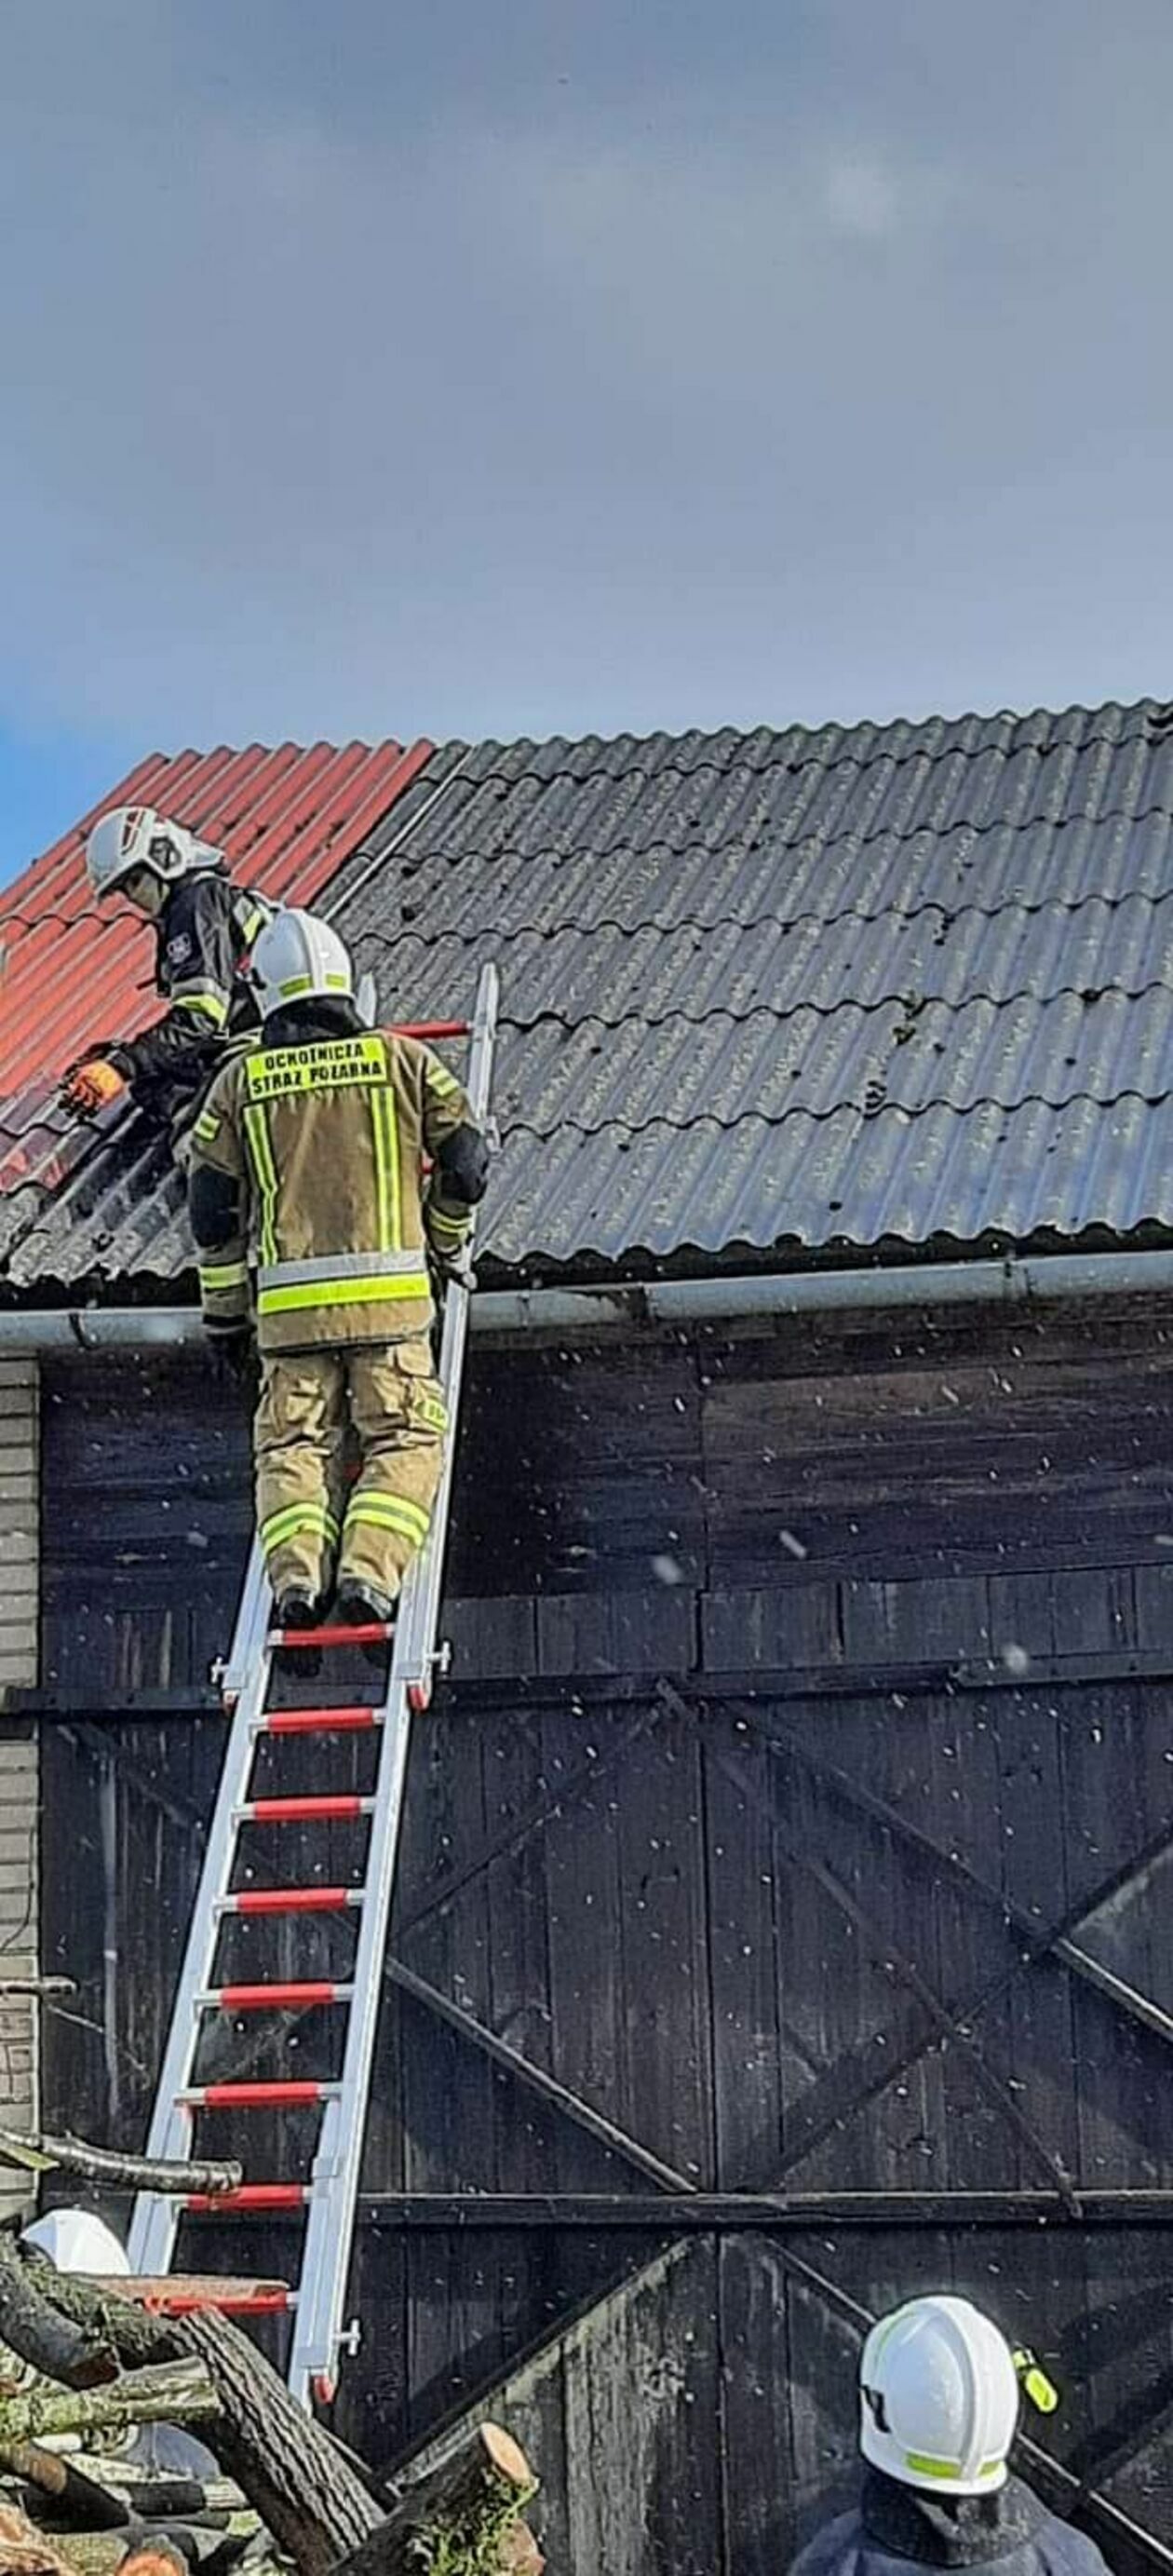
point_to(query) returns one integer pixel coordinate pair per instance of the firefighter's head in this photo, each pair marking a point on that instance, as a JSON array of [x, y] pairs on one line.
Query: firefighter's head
[[938, 2397], [136, 852], [298, 962]]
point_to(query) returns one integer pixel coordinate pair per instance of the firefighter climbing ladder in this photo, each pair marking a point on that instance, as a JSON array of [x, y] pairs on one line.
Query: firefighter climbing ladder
[[328, 2198]]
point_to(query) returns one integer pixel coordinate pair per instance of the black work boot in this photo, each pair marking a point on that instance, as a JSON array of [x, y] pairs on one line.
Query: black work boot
[[362, 1605], [298, 1607]]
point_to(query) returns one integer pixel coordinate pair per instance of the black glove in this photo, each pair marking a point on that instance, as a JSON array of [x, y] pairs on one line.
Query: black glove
[[456, 1266], [233, 1349]]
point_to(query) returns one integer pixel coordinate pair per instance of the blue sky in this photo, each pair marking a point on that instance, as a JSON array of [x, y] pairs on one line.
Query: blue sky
[[573, 366]]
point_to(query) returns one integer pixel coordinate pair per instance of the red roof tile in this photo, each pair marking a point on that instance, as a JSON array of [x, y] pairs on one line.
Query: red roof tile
[[74, 974]]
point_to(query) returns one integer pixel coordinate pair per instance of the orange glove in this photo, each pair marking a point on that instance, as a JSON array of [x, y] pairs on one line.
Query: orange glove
[[92, 1086]]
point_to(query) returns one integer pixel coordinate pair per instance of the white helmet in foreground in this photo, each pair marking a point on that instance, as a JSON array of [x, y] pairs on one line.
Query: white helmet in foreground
[[76, 2241], [135, 836], [938, 2397], [300, 959]]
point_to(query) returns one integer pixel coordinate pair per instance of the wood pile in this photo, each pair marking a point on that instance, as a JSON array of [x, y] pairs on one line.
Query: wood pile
[[83, 2360]]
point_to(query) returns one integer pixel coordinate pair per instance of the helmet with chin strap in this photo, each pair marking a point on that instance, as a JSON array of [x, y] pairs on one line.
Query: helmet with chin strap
[[136, 836]]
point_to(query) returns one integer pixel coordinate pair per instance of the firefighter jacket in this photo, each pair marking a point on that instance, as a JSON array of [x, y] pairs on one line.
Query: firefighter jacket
[[896, 2529], [204, 934], [321, 1144]]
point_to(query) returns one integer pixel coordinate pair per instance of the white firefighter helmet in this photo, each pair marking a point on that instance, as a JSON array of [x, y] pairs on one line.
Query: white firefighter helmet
[[136, 836], [938, 2397], [298, 958], [76, 2241]]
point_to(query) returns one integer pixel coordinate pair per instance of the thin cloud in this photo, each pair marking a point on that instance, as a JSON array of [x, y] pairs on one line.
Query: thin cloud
[[861, 198], [788, 367]]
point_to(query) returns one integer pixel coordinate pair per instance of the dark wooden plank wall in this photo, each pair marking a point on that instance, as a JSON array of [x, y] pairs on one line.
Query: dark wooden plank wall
[[712, 1940], [892, 1491]]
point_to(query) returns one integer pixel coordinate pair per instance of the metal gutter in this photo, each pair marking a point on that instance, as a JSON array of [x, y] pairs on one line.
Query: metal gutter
[[1010, 1282], [1041, 1279]]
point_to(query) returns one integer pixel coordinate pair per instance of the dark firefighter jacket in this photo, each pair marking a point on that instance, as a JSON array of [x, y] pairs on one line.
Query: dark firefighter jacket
[[895, 2527], [204, 934], [307, 1155]]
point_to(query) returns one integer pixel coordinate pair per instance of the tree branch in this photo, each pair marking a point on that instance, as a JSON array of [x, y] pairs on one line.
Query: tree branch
[[80, 2353], [36, 1986], [123, 2173], [176, 2392]]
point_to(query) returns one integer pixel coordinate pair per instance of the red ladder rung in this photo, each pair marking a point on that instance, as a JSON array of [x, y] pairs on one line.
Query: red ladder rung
[[290, 1900], [233, 2303], [303, 1811], [432, 1028], [293, 1995], [249, 2195], [374, 1633], [316, 1721], [281, 2095]]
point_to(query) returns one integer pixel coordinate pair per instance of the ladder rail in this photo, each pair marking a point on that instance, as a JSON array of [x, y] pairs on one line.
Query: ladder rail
[[330, 2226], [334, 2175], [156, 2215], [419, 1617], [330, 2196]]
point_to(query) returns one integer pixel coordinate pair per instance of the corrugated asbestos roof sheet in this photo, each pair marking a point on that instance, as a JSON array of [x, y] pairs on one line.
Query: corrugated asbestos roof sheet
[[769, 991]]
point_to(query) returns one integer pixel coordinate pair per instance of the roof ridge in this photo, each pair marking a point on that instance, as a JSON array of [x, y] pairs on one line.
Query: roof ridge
[[1151, 708]]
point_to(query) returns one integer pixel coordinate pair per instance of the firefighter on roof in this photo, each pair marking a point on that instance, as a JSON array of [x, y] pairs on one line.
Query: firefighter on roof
[[939, 2396], [308, 1152], [204, 928]]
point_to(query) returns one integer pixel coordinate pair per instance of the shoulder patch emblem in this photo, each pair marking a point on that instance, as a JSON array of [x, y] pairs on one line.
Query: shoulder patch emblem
[[179, 949]]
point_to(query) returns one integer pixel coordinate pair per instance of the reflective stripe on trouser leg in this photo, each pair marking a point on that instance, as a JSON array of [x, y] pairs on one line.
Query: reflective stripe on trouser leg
[[297, 1443], [397, 1408]]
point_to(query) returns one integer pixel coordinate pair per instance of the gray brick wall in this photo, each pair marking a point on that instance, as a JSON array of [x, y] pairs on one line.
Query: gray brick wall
[[19, 1568]]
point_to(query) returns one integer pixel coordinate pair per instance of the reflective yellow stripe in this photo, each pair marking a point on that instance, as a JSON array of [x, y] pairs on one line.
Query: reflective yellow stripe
[[440, 1079], [260, 1154], [223, 1274], [207, 1006], [295, 985], [453, 1227], [433, 1413], [343, 1292], [295, 1518], [379, 1143], [207, 1127], [928, 2467], [385, 1128], [392, 1512], [255, 921]]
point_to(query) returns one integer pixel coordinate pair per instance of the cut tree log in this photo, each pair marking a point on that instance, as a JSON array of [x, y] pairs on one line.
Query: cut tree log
[[294, 2474], [292, 2471], [76, 2499], [459, 2520], [25, 2551], [78, 2350], [175, 2392]]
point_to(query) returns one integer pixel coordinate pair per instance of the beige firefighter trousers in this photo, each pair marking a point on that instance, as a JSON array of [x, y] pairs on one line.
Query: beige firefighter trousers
[[313, 1524]]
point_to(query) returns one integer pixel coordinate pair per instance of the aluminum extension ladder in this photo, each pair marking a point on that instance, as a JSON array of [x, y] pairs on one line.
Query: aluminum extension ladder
[[329, 2196]]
